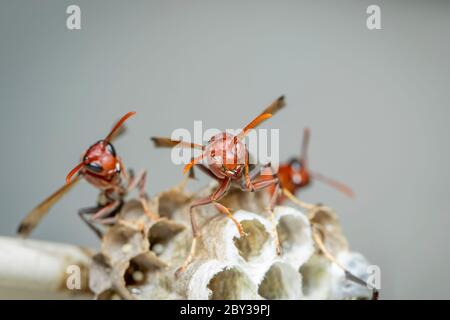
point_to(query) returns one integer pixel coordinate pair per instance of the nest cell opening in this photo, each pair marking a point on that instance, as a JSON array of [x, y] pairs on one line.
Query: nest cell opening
[[251, 245], [135, 274], [291, 232], [169, 202], [281, 282], [161, 233], [313, 272], [231, 284]]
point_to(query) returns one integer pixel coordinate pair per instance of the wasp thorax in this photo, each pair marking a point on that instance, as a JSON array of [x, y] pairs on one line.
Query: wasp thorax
[[226, 155]]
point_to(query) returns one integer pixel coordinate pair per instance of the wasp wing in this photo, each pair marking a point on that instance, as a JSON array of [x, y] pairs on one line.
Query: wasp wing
[[34, 217], [162, 142], [304, 148], [333, 183]]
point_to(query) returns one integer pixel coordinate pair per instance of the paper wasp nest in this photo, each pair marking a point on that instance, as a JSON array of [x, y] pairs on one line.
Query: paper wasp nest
[[139, 257]]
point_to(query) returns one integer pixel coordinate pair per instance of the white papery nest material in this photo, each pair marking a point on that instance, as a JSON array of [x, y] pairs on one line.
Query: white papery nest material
[[139, 257]]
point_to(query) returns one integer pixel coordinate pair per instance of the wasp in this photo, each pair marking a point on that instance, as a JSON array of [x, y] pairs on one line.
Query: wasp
[[296, 174], [103, 168], [225, 158]]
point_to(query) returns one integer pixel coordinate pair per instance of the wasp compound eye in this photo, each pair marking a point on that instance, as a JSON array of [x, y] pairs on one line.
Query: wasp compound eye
[[295, 164], [111, 149], [95, 167]]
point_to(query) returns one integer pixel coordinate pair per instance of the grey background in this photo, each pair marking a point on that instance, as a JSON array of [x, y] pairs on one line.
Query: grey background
[[377, 103]]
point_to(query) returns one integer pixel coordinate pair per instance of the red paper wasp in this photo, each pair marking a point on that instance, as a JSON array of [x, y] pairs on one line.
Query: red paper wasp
[[296, 174], [101, 167], [227, 161]]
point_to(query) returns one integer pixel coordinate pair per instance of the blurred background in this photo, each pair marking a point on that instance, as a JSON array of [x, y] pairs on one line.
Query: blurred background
[[377, 102]]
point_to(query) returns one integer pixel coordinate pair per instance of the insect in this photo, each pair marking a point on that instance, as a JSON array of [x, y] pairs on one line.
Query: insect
[[102, 168], [296, 174], [225, 158]]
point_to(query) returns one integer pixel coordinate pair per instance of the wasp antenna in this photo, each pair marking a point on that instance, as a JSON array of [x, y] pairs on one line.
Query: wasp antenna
[[255, 122], [275, 106], [118, 124], [267, 113], [73, 172]]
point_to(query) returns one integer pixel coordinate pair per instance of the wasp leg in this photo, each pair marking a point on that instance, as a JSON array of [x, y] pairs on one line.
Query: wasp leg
[[106, 210], [139, 182], [83, 213], [254, 173], [98, 214], [348, 275], [217, 195], [206, 171], [248, 181], [260, 185]]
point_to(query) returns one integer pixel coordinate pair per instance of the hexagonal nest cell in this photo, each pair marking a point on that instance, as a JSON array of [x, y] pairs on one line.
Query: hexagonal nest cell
[[281, 282], [251, 245], [231, 284], [291, 232]]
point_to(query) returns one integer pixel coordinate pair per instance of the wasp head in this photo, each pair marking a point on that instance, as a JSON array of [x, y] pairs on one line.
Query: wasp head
[[226, 156]]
